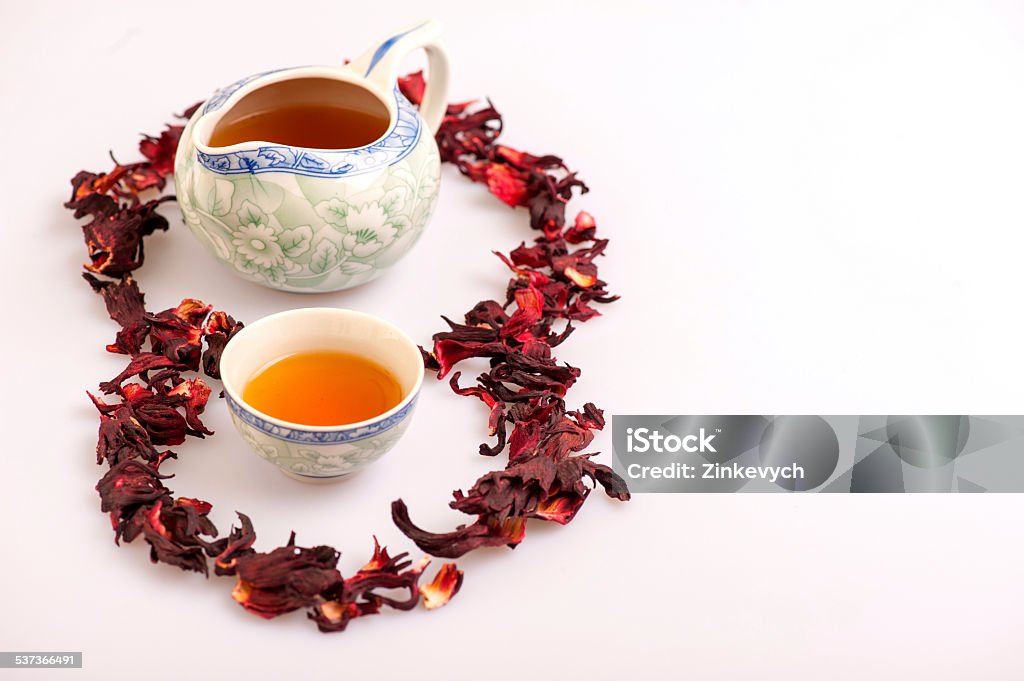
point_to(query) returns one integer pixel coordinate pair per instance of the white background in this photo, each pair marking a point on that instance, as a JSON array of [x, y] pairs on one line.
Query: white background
[[814, 207]]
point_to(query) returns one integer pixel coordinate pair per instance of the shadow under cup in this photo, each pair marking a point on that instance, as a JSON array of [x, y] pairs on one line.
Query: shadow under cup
[[320, 453]]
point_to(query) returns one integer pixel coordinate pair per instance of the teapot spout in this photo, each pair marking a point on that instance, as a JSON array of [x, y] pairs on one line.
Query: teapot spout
[[202, 134]]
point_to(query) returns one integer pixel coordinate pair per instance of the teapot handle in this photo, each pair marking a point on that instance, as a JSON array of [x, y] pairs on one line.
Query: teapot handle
[[380, 66]]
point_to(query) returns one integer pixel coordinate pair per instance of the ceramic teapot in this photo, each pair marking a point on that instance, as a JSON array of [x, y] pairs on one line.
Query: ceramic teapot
[[312, 219]]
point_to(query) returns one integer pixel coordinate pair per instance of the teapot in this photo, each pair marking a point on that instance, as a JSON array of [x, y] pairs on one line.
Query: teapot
[[293, 213]]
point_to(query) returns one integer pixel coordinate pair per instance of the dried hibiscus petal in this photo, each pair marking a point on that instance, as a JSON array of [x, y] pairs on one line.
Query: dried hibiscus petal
[[177, 333], [333, 616], [380, 560], [529, 311], [590, 417], [583, 229], [507, 183], [489, 313], [237, 544], [127, 486], [126, 304], [164, 423], [464, 539], [450, 352], [366, 592], [122, 437], [524, 439], [115, 239], [564, 437], [524, 161], [465, 133], [139, 366], [159, 152], [514, 491], [560, 508], [193, 394], [443, 587], [173, 536], [286, 579], [614, 486], [218, 330], [531, 256], [90, 193]]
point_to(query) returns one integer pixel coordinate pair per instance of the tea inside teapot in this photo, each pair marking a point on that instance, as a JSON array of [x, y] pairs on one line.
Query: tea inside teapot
[[316, 113]]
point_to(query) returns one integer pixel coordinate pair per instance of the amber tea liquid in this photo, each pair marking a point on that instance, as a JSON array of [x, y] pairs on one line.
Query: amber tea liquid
[[311, 125], [323, 388]]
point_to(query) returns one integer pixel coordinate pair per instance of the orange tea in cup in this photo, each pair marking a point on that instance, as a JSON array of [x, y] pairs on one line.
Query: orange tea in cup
[[323, 388]]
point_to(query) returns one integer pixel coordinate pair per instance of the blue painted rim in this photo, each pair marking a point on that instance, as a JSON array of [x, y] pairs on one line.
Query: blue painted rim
[[395, 145], [326, 437]]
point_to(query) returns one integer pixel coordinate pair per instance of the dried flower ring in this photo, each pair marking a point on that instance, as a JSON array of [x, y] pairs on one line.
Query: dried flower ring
[[524, 389]]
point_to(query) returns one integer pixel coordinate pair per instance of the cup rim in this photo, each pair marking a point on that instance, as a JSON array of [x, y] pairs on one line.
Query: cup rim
[[236, 397]]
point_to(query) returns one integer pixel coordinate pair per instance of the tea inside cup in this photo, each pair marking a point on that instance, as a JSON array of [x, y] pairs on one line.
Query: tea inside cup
[[362, 375]]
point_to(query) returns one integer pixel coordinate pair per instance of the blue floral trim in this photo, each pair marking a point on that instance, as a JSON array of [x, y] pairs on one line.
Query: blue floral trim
[[280, 158], [222, 95], [320, 437]]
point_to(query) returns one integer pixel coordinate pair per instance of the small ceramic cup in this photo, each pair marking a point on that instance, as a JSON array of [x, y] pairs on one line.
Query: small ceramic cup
[[320, 453]]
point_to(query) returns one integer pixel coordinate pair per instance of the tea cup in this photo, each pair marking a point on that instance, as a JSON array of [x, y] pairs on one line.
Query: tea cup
[[320, 453]]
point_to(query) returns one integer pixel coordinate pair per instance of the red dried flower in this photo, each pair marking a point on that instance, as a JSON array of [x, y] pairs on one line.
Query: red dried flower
[[114, 236], [219, 329], [174, 533], [140, 365], [443, 587], [237, 544], [507, 183], [128, 487], [560, 508], [364, 592], [529, 311], [159, 152], [525, 385], [177, 333], [126, 306], [583, 229], [122, 437], [286, 579], [486, 313], [466, 538], [125, 303], [163, 422], [192, 394]]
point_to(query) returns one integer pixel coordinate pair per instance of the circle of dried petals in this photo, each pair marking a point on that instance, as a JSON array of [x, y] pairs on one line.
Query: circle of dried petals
[[157, 401]]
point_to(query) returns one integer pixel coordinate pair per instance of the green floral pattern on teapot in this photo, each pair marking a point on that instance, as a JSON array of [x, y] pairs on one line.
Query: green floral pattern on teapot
[[300, 233]]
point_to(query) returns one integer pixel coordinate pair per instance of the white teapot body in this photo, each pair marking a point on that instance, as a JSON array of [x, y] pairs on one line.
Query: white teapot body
[[314, 219]]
